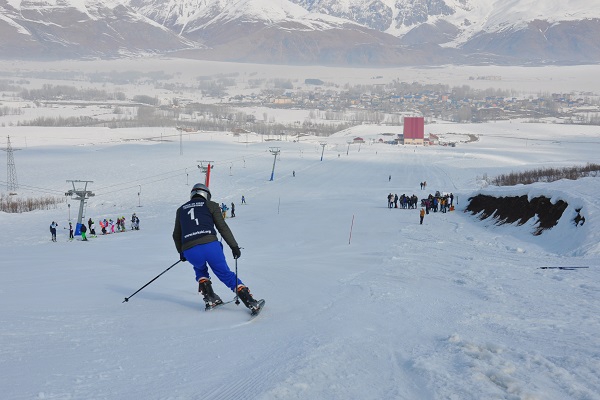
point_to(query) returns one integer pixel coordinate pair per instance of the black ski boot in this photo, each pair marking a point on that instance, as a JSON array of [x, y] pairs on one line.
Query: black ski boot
[[247, 299], [211, 299]]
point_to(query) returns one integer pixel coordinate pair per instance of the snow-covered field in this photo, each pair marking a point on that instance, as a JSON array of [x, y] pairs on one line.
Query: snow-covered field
[[529, 80], [362, 301]]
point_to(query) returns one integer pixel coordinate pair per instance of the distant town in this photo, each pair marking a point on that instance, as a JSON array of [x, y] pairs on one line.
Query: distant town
[[460, 104], [216, 103]]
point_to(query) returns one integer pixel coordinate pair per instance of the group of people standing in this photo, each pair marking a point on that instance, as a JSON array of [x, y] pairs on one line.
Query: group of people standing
[[224, 209], [110, 226], [106, 225], [404, 200], [434, 203], [438, 202]]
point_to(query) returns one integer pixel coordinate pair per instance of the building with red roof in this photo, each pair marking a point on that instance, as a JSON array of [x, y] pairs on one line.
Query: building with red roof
[[414, 130]]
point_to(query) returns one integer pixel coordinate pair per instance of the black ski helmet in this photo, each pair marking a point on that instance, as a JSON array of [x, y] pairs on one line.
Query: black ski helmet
[[201, 190]]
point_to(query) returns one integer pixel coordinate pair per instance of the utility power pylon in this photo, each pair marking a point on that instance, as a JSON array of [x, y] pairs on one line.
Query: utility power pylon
[[11, 172], [275, 151], [82, 195]]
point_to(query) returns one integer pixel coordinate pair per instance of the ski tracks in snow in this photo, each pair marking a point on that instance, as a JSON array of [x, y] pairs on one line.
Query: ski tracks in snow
[[495, 371], [336, 362], [480, 342]]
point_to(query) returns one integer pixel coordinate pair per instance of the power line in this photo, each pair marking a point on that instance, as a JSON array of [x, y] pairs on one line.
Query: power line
[[144, 180], [175, 172], [39, 189], [136, 181], [154, 181]]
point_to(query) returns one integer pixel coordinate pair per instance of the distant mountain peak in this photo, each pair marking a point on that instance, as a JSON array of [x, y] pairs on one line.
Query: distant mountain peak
[[307, 31]]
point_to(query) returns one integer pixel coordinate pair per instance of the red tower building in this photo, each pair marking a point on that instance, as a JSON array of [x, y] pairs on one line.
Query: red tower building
[[414, 130]]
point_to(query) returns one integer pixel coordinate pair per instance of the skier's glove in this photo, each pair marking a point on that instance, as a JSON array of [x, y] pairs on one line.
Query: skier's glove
[[182, 257], [237, 253]]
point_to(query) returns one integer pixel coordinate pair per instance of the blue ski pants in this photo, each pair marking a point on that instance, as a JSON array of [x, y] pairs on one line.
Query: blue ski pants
[[211, 254]]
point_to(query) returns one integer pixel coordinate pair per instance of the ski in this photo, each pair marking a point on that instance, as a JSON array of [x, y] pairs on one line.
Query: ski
[[261, 304], [567, 268], [209, 308], [253, 313]]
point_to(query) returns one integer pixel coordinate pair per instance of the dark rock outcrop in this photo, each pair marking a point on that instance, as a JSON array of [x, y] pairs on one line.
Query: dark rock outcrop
[[519, 209]]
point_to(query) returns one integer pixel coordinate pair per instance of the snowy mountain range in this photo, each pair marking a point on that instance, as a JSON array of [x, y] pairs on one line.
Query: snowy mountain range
[[329, 32]]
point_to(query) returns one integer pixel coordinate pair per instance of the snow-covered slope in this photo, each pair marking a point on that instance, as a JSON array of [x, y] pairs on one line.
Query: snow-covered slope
[[362, 301]]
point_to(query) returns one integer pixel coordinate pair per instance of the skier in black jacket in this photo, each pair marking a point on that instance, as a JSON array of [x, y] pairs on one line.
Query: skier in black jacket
[[83, 230], [196, 241]]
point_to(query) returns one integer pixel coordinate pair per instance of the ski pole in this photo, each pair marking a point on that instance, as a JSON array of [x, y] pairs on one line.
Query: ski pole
[[237, 299], [155, 278]]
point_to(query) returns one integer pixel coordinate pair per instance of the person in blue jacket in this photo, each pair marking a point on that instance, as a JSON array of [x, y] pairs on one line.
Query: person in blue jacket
[[195, 236]]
